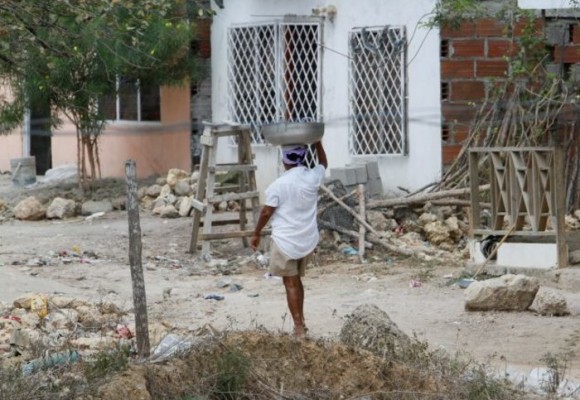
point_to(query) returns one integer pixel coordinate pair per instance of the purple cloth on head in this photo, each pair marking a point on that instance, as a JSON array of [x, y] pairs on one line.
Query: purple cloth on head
[[294, 156]]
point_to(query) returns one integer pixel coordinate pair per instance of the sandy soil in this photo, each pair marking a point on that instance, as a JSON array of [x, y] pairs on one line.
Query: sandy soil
[[176, 283]]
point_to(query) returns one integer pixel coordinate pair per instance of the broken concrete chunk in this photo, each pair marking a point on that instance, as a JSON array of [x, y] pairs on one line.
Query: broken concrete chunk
[[29, 209], [506, 293], [174, 175], [61, 208], [549, 302]]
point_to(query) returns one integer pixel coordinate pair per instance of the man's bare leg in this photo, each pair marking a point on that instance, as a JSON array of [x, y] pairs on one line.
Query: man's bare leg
[[295, 298]]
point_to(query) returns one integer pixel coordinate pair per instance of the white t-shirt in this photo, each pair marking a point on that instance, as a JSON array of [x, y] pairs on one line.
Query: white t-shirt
[[295, 197]]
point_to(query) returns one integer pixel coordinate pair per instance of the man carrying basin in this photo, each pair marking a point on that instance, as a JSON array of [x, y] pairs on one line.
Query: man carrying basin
[[291, 203]]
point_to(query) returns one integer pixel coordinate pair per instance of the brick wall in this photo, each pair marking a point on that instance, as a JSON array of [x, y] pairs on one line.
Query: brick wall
[[473, 57]]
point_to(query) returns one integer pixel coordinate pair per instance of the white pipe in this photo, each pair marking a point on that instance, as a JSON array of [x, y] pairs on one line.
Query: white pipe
[[26, 133]]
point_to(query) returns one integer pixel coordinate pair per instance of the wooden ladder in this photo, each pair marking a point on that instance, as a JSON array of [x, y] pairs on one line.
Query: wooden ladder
[[206, 197]]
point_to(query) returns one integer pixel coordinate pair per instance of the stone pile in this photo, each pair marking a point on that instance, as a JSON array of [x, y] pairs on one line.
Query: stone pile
[[36, 323], [172, 197]]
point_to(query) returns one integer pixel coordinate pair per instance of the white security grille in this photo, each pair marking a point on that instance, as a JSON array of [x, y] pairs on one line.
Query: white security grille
[[274, 74], [377, 91]]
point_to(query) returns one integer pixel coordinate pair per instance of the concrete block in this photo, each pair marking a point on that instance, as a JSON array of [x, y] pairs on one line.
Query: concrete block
[[528, 255], [373, 170], [361, 173], [374, 187], [346, 175]]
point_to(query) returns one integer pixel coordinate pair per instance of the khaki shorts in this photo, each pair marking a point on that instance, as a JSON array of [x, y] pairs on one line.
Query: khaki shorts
[[282, 265]]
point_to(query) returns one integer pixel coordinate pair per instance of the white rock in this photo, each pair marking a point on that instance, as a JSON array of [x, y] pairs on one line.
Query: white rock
[[577, 214], [194, 176], [153, 191], [61, 208], [174, 175], [437, 233], [427, 218], [506, 293], [454, 229], [162, 180], [182, 188], [572, 223], [93, 207], [168, 211], [142, 192], [62, 319], [165, 191], [549, 302], [574, 257], [186, 206], [24, 301], [29, 209], [120, 203]]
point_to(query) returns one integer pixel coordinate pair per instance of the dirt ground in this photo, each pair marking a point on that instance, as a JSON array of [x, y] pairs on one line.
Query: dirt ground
[[31, 261]]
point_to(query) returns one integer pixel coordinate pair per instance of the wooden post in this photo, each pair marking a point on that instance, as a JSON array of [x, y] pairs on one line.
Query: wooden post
[[200, 193], [361, 229], [137, 279], [559, 198], [475, 210]]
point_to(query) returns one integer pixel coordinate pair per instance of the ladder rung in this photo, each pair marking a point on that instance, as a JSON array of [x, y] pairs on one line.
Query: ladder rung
[[233, 167], [233, 196], [226, 188], [231, 235]]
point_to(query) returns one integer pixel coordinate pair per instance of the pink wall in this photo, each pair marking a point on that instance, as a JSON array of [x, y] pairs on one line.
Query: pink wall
[[156, 147], [10, 147]]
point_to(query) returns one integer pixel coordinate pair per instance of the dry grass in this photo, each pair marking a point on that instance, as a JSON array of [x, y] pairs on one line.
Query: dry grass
[[261, 365]]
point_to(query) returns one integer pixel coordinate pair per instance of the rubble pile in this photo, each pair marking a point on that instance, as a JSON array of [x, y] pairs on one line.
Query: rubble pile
[[36, 324]]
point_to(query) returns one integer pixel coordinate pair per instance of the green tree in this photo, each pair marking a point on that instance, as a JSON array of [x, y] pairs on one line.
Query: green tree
[[70, 53]]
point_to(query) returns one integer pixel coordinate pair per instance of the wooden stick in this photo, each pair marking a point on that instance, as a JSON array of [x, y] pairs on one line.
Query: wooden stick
[[361, 228], [385, 244], [135, 261], [493, 253], [422, 198], [323, 209]]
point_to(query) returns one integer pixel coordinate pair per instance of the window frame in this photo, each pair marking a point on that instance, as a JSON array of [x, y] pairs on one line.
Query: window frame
[[118, 106]]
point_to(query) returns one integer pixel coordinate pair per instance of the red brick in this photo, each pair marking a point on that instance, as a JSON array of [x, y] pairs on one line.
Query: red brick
[[203, 33], [497, 48], [523, 24], [467, 91], [576, 34], [490, 27], [465, 29], [491, 68], [458, 113], [457, 69], [468, 47], [460, 133], [567, 54], [450, 153]]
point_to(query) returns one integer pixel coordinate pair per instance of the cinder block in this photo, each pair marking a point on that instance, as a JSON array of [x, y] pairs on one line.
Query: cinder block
[[375, 187], [346, 175], [361, 173], [373, 170]]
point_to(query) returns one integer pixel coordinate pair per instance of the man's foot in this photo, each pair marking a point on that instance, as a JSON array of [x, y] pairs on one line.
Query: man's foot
[[300, 332]]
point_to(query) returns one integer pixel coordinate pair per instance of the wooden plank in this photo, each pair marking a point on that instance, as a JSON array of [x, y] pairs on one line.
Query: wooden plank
[[231, 235], [198, 205], [206, 140], [361, 229], [474, 190], [559, 190], [489, 232], [508, 149], [232, 196], [232, 167], [205, 249], [243, 181], [227, 188], [199, 196]]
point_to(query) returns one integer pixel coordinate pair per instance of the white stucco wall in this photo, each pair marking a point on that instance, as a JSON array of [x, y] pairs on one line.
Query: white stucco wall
[[545, 4], [422, 165]]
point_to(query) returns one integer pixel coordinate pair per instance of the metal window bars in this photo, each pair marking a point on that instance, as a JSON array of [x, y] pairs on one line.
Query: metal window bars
[[274, 74], [377, 91]]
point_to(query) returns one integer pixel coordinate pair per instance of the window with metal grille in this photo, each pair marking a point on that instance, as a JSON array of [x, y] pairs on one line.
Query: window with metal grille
[[274, 74], [378, 90]]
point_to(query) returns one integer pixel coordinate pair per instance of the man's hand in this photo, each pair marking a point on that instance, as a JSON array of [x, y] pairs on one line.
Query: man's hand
[[255, 242]]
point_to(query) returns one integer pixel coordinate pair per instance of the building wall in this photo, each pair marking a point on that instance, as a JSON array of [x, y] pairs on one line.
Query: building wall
[[156, 147], [473, 59], [422, 165], [10, 147]]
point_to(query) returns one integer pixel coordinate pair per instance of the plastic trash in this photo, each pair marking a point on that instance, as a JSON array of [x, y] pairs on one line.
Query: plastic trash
[[415, 283], [169, 346], [50, 361], [261, 259], [349, 251], [465, 282]]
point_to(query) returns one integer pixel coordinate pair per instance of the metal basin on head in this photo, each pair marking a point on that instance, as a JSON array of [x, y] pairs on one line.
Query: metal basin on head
[[288, 133]]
